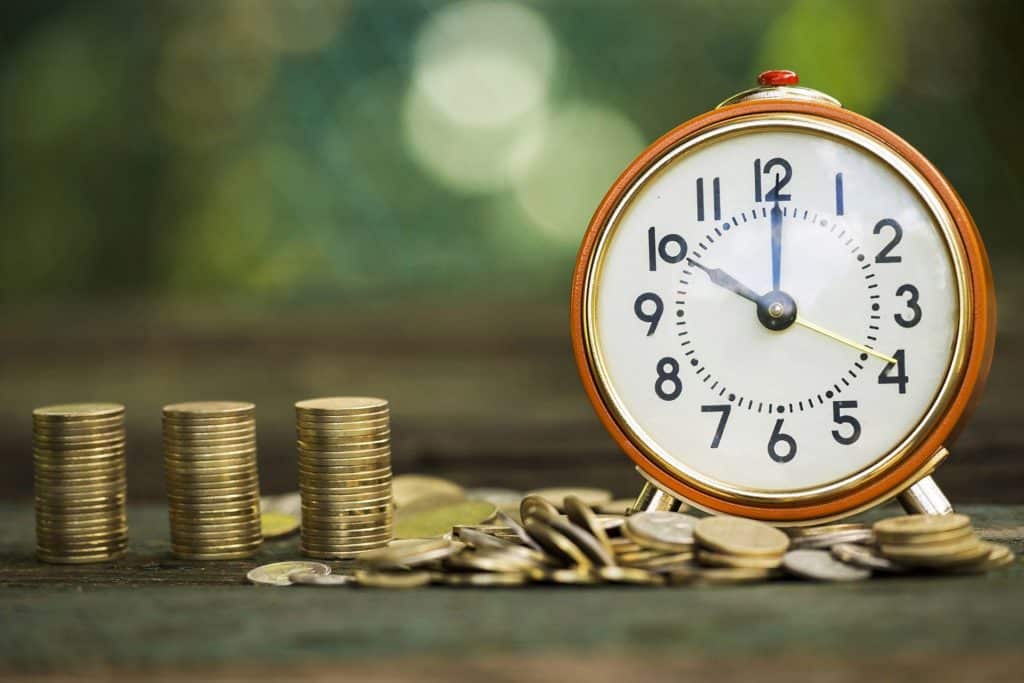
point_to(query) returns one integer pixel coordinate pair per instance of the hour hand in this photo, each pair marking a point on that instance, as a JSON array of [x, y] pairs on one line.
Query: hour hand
[[723, 279]]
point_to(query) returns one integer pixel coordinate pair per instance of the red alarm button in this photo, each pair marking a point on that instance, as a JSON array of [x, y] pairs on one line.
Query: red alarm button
[[777, 77]]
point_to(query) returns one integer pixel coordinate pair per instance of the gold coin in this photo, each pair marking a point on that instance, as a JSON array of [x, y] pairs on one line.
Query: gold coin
[[377, 579], [556, 544], [573, 576], [73, 426], [629, 575], [999, 556], [738, 536], [277, 525], [44, 555], [311, 421], [77, 411], [483, 579], [827, 529], [720, 575], [918, 525], [410, 552], [583, 516], [536, 506], [342, 405], [556, 495], [938, 555], [665, 560], [929, 538], [713, 559], [201, 409], [410, 488], [426, 518]]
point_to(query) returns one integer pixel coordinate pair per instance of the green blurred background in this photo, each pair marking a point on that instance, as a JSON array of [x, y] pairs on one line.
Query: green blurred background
[[277, 199]]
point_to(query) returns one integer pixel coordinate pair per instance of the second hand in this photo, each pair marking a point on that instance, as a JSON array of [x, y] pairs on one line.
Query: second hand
[[839, 338]]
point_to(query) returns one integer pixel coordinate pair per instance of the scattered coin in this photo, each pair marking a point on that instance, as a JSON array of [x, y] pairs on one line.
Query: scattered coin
[[738, 536], [532, 506], [713, 559], [430, 518], [718, 575], [398, 580], [556, 544], [667, 531], [819, 541], [305, 577], [938, 555], [865, 558], [410, 488], [897, 529], [278, 525], [483, 579], [277, 573], [819, 565], [629, 575], [555, 496], [584, 517], [410, 552]]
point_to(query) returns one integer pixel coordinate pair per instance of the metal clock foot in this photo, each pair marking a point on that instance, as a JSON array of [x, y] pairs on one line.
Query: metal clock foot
[[654, 499], [925, 498]]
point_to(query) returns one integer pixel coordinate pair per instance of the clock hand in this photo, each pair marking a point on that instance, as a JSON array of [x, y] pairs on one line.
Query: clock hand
[[776, 216], [843, 340], [723, 279]]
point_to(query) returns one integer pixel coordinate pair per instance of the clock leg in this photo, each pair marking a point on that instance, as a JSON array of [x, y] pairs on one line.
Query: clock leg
[[655, 499], [925, 498]]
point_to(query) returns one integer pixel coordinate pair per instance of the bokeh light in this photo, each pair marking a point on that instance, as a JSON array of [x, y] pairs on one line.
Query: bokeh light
[[585, 147]]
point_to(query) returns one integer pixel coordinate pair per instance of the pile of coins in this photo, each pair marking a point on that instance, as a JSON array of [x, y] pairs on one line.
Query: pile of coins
[[213, 489], [572, 542], [344, 448], [79, 458]]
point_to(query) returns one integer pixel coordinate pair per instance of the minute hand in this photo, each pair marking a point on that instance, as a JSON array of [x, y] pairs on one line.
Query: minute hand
[[843, 340], [776, 218], [723, 279]]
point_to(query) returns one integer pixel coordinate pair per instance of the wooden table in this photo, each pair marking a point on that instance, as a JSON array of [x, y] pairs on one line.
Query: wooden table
[[168, 618]]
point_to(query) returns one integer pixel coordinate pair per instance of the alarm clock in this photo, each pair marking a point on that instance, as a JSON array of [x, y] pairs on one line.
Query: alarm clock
[[782, 311]]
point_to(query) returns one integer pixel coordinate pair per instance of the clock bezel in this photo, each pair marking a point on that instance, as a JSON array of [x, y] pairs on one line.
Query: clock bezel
[[915, 456]]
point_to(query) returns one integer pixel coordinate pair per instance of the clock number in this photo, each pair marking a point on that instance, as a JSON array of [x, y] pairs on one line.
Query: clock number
[[897, 234], [716, 199], [652, 319], [912, 304], [900, 378], [778, 437], [840, 419], [724, 409], [840, 207], [668, 375], [671, 248], [781, 179]]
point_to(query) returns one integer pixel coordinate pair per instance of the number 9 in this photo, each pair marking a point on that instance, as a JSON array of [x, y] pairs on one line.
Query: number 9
[[652, 319]]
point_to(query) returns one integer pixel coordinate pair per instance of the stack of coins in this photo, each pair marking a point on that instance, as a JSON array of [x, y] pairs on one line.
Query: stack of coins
[[936, 542], [213, 489], [78, 452], [344, 447]]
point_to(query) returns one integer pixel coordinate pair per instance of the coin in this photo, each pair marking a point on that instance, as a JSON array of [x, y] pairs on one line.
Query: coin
[[827, 540], [629, 575], [556, 495], [938, 555], [595, 551], [738, 536], [380, 579], [278, 525], [820, 565], [196, 410], [584, 517], [426, 518], [70, 412], [999, 556], [556, 544], [714, 559], [304, 577], [482, 579], [668, 531], [536, 505], [410, 488], [865, 558], [410, 552], [719, 575], [342, 406], [277, 573], [894, 528]]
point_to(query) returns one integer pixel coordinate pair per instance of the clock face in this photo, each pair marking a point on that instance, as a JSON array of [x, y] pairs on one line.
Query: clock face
[[774, 308]]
